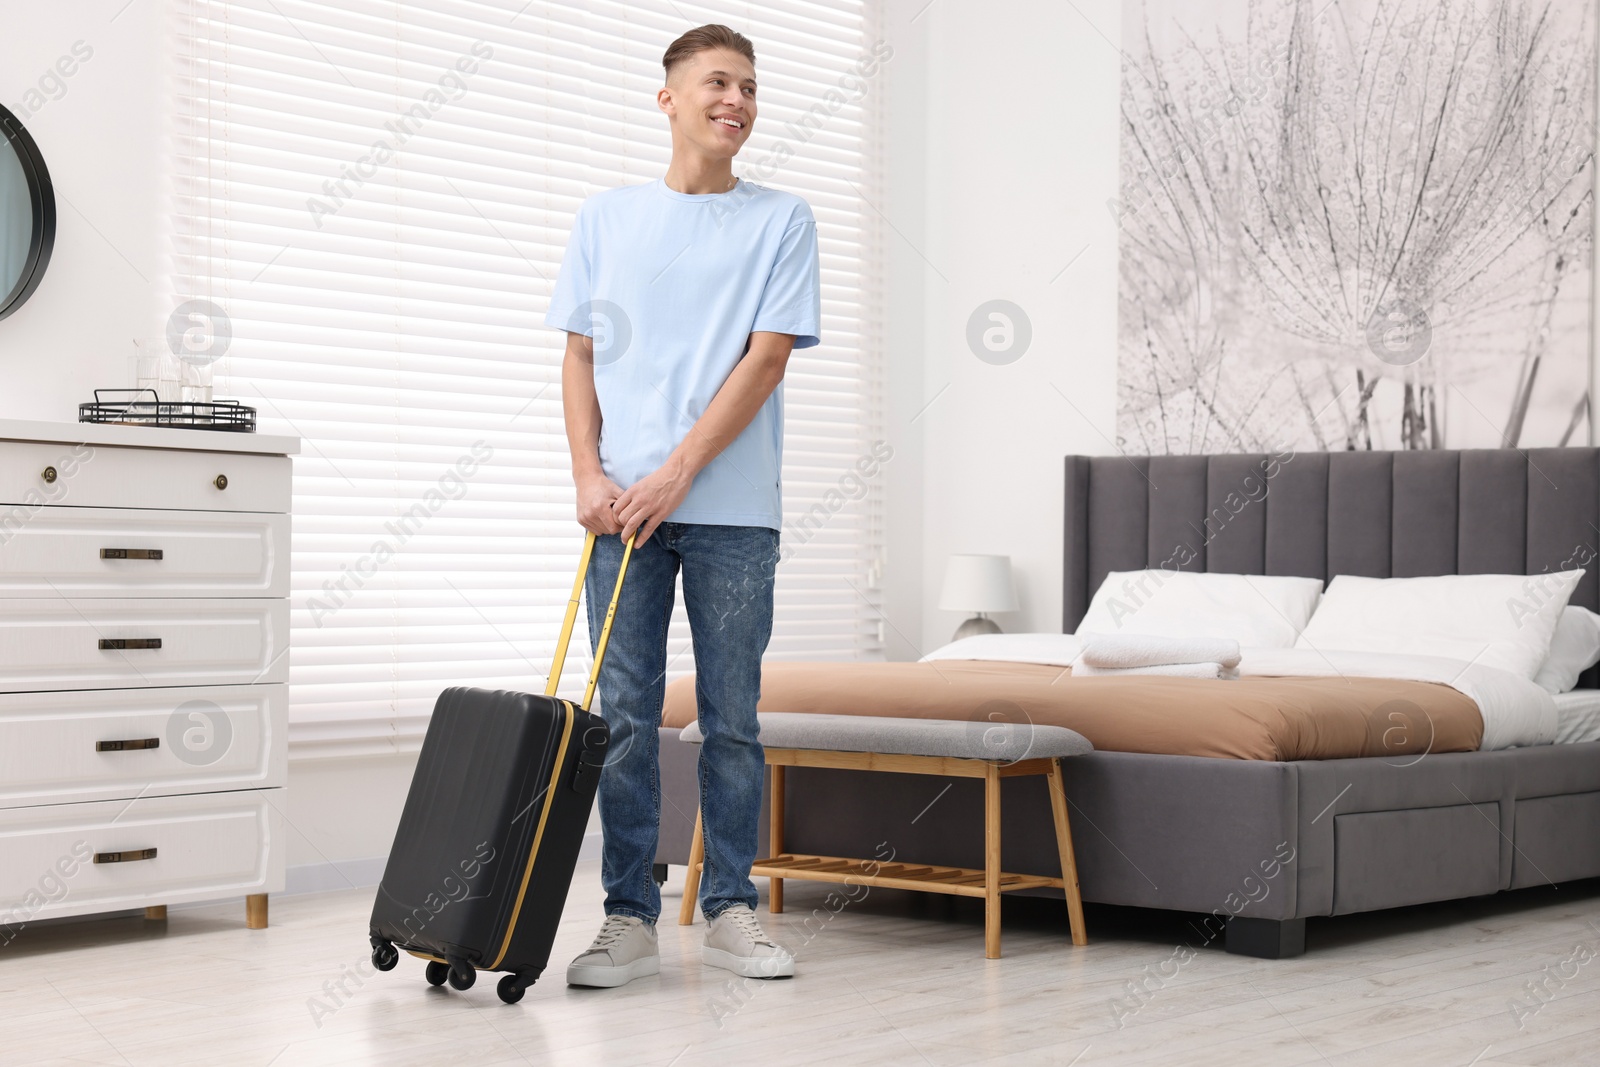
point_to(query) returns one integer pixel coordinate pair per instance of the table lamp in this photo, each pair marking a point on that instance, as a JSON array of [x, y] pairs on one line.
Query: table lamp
[[979, 584]]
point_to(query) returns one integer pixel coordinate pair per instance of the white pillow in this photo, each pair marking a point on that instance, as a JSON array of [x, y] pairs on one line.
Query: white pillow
[[1498, 620], [1261, 611], [1574, 648]]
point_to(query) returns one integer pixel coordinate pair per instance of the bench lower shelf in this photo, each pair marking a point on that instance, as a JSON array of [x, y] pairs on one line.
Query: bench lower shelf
[[919, 877]]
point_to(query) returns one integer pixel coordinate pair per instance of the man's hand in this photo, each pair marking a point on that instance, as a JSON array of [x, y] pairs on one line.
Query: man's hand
[[651, 499], [603, 507], [597, 495]]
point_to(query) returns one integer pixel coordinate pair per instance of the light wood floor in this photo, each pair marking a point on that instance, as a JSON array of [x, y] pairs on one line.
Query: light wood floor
[[893, 979]]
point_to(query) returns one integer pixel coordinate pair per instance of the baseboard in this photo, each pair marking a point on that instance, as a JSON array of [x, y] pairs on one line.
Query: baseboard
[[367, 873], [326, 877]]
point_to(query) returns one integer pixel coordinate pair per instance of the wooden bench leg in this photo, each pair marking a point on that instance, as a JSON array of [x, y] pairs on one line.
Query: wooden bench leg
[[691, 881], [255, 911], [991, 861], [156, 912], [1069, 863], [775, 894]]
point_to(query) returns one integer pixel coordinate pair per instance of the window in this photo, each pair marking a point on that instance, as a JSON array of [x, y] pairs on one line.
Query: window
[[376, 196]]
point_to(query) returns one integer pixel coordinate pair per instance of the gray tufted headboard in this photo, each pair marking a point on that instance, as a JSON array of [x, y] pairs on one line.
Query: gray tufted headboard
[[1319, 514]]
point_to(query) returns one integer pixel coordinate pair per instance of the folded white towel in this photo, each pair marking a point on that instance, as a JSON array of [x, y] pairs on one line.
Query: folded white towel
[[1150, 650], [1171, 670]]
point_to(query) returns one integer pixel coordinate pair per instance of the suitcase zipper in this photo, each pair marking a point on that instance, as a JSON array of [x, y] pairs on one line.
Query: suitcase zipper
[[538, 835]]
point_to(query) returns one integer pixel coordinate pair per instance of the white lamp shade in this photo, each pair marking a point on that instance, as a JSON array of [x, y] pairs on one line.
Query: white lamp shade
[[978, 583]]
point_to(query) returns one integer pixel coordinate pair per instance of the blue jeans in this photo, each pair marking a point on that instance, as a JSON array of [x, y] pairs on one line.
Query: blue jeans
[[727, 591]]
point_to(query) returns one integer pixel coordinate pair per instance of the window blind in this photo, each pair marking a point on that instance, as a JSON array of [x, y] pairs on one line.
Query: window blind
[[375, 198]]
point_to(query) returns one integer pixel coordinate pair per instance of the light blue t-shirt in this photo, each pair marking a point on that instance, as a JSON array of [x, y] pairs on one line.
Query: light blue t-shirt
[[671, 285]]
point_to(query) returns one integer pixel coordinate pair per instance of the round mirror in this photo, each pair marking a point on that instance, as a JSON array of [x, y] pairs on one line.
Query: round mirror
[[27, 215]]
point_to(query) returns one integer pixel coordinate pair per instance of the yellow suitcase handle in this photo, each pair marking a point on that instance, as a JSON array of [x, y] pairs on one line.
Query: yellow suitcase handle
[[572, 615]]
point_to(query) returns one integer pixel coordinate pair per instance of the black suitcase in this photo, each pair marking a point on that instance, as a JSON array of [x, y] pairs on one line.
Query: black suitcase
[[489, 836]]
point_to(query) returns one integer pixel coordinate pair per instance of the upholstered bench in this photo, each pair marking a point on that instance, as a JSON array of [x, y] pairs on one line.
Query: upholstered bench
[[978, 749]]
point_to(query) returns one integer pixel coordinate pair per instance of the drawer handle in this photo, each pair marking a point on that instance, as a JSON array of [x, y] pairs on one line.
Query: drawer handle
[[130, 553], [125, 857], [130, 745], [116, 644], [48, 474], [221, 481]]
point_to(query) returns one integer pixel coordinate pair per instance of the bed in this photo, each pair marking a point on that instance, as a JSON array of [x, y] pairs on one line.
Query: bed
[[1255, 844]]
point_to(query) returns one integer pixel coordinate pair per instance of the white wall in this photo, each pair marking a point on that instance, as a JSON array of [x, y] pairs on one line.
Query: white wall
[[103, 140], [903, 111], [340, 816], [1002, 156]]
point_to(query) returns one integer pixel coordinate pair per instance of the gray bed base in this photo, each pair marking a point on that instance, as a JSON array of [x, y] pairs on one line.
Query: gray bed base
[[1260, 846]]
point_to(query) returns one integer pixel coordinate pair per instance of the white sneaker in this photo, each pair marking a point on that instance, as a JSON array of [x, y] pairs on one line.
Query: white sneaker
[[735, 942], [624, 949]]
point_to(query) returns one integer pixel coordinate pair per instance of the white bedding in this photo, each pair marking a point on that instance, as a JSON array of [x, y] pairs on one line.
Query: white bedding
[[1515, 710], [1252, 609], [1212, 670], [1577, 716], [1056, 650], [1122, 651], [1500, 620]]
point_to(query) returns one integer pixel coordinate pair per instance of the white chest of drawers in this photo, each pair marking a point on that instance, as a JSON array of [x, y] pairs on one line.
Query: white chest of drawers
[[144, 639]]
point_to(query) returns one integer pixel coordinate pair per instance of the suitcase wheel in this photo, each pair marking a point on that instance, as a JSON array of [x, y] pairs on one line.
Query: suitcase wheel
[[512, 986], [462, 974], [384, 955], [437, 972]]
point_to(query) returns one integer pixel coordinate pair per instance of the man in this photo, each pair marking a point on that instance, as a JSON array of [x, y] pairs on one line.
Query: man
[[682, 299]]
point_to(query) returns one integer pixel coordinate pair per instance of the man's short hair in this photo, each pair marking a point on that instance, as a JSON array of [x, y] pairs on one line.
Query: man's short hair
[[703, 38]]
